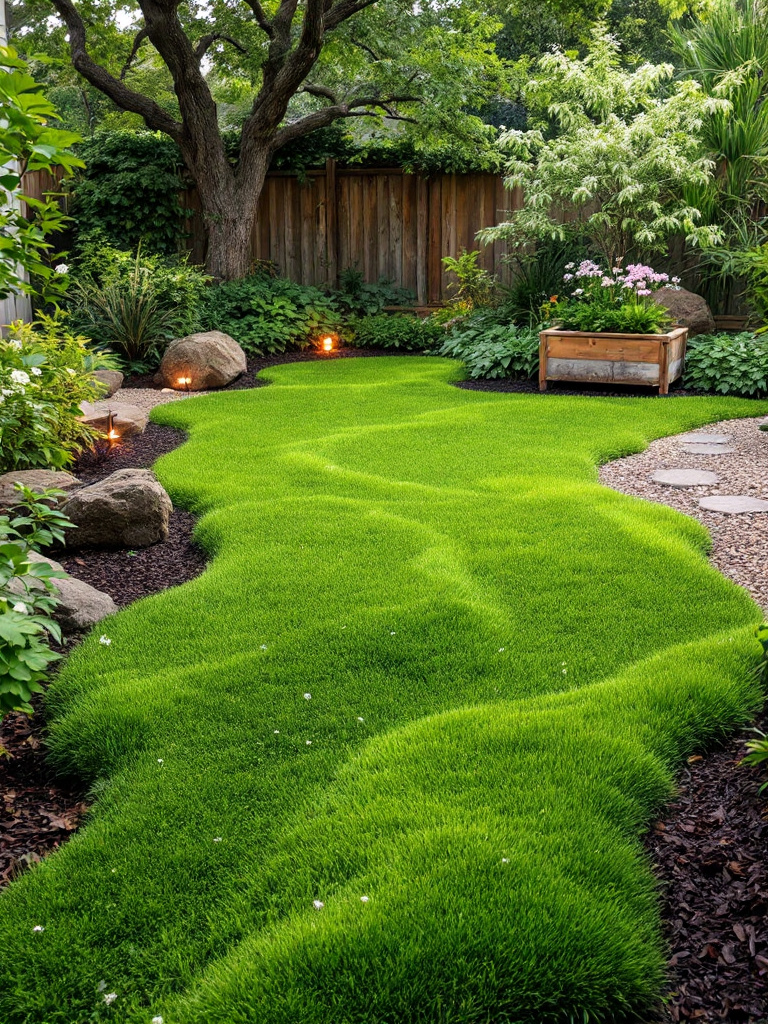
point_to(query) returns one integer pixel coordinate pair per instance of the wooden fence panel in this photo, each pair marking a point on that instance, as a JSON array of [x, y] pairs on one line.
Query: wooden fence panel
[[382, 221]]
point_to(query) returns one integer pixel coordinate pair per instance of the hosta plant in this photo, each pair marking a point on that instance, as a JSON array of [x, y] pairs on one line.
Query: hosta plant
[[617, 301]]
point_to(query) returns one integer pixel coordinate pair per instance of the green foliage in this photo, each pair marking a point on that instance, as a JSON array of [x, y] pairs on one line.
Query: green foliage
[[376, 538], [397, 331], [135, 302], [537, 275], [27, 596], [358, 297], [607, 144], [492, 346], [269, 315], [617, 301], [29, 143], [128, 193], [758, 754], [45, 373], [729, 364], [473, 283]]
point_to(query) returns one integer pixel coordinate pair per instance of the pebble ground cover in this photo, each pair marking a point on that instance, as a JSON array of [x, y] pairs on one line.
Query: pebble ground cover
[[389, 759]]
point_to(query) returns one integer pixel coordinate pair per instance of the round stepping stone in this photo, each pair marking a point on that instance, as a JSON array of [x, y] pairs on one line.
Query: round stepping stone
[[704, 438], [708, 449], [684, 477], [733, 503]]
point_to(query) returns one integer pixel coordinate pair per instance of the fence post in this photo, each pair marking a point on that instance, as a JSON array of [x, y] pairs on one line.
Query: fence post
[[331, 223]]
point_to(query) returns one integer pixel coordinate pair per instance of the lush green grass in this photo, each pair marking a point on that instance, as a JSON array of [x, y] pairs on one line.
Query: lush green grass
[[505, 660]]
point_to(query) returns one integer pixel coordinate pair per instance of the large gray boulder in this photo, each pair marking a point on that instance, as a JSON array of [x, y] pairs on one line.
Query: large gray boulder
[[128, 509], [110, 380], [126, 419], [36, 480], [202, 361], [687, 309], [80, 605]]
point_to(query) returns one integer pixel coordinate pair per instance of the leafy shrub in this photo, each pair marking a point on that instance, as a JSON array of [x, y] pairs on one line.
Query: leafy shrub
[[45, 373], [473, 283], [27, 598], [128, 193], [268, 315], [615, 301], [539, 274], [398, 330], [135, 302], [491, 346], [363, 299], [730, 364]]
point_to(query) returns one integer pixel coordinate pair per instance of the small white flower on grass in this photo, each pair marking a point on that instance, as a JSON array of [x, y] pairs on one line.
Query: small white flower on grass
[[502, 649], [38, 928], [20, 607], [217, 839], [105, 640], [263, 647], [364, 899], [307, 696], [160, 760], [565, 671], [110, 997], [318, 904], [156, 1020], [61, 268], [360, 719], [505, 860], [276, 732], [309, 743], [392, 632]]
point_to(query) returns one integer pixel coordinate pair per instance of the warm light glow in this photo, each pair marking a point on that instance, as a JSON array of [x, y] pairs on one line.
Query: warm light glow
[[328, 344], [184, 380], [113, 435]]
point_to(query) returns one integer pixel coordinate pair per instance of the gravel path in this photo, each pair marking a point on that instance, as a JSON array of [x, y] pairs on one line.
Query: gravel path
[[148, 398], [740, 542]]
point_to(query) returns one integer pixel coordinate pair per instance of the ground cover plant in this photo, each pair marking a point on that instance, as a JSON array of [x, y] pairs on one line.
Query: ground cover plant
[[729, 364], [390, 757]]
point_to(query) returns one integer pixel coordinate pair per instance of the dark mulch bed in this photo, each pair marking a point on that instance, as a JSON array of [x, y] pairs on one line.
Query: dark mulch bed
[[531, 387], [711, 855], [710, 849]]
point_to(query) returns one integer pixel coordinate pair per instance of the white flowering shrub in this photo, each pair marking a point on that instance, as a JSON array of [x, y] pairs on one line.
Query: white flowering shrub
[[611, 155], [45, 373], [27, 597]]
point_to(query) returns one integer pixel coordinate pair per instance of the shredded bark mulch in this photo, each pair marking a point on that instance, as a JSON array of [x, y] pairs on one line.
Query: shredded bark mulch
[[710, 851]]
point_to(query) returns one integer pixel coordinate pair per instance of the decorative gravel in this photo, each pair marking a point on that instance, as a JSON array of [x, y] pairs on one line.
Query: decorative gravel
[[148, 398], [740, 542]]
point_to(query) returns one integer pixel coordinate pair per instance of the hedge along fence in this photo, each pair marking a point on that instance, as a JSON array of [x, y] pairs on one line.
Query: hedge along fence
[[384, 221]]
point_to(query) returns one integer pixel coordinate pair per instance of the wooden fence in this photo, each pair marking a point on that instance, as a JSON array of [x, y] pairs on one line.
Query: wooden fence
[[382, 221]]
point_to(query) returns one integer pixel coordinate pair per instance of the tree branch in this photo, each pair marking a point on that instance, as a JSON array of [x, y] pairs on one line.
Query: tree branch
[[319, 90], [261, 19], [322, 118], [154, 116], [141, 35], [207, 41], [342, 10]]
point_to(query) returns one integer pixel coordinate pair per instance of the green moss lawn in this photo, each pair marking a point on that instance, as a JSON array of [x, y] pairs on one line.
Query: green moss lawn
[[436, 678]]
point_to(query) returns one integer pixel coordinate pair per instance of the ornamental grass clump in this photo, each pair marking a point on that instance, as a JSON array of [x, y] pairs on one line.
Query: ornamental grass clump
[[617, 301]]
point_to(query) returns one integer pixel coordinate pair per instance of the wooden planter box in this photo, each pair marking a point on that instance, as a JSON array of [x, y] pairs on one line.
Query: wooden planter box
[[652, 359]]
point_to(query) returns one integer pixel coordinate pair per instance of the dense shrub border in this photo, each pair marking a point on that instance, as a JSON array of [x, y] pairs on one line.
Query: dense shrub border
[[428, 693]]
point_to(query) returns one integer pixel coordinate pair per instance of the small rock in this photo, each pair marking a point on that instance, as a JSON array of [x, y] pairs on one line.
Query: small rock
[[687, 309], [733, 503], [126, 419], [112, 380], [128, 509], [36, 480], [201, 361], [700, 438], [684, 477], [80, 605]]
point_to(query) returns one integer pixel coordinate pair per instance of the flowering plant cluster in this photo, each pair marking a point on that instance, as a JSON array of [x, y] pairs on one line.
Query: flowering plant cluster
[[617, 300], [27, 596], [45, 373]]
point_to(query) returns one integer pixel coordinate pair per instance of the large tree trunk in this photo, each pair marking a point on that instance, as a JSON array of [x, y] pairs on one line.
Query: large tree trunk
[[229, 210]]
